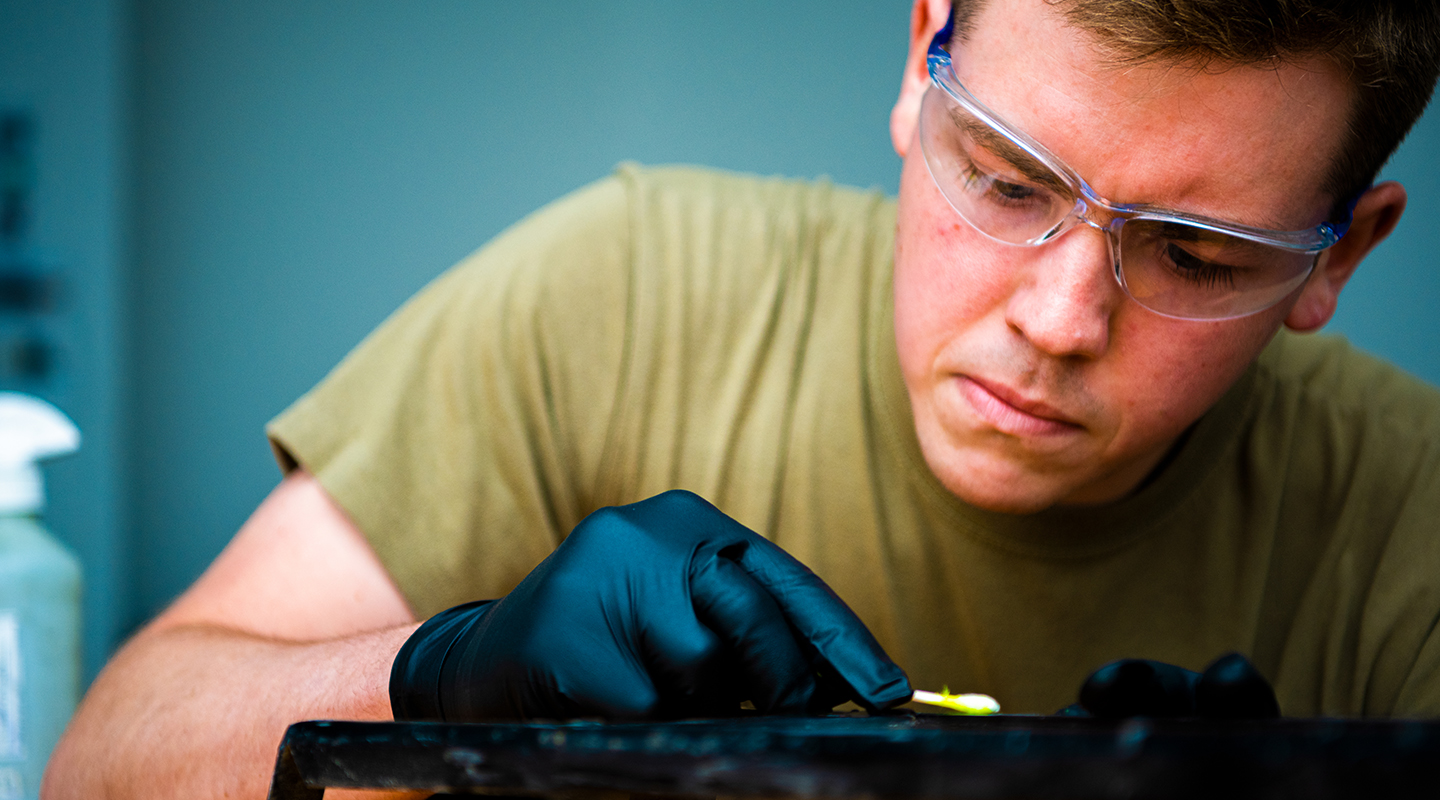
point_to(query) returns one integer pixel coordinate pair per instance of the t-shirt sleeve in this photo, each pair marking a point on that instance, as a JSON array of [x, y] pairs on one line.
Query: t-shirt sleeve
[[462, 436]]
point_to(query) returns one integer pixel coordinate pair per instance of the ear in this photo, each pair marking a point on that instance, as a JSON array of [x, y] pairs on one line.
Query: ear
[[1375, 216], [926, 17]]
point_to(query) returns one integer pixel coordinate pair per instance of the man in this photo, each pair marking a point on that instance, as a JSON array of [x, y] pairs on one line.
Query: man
[[1057, 433]]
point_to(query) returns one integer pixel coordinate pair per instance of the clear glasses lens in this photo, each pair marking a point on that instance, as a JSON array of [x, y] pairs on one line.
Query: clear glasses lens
[[1187, 271], [994, 185], [1169, 266]]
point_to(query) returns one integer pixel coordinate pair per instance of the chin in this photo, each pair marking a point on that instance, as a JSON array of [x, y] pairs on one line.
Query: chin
[[1002, 500], [1003, 488]]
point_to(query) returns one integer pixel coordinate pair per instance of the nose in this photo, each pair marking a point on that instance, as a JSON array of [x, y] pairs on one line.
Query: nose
[[1066, 300]]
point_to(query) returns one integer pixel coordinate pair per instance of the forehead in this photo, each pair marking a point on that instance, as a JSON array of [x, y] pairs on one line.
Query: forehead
[[1250, 143]]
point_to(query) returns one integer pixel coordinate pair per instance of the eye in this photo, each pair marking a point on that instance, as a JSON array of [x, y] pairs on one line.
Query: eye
[[1011, 191], [1192, 268], [1000, 191]]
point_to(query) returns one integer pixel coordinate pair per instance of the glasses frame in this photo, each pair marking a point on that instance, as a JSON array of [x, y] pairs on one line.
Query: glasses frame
[[1311, 240]]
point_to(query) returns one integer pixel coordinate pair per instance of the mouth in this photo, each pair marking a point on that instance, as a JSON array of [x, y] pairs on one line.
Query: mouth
[[1008, 412]]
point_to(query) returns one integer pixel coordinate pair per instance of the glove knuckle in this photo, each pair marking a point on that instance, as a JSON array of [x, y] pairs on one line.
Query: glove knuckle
[[693, 650], [679, 498], [600, 529]]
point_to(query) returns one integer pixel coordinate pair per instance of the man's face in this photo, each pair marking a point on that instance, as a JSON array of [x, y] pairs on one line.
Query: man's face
[[1033, 378]]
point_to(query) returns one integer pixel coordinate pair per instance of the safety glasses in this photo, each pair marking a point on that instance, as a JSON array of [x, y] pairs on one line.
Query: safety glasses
[[1011, 189]]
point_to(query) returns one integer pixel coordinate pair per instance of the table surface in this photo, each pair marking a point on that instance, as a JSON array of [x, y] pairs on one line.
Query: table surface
[[902, 756]]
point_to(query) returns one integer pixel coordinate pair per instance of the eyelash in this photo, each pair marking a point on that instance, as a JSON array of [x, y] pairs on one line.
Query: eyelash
[[974, 175], [1209, 274]]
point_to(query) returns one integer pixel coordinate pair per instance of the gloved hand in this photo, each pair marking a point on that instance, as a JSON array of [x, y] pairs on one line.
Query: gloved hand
[[665, 608], [1230, 688]]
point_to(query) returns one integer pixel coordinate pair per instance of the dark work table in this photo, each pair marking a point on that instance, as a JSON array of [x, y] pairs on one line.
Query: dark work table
[[902, 756]]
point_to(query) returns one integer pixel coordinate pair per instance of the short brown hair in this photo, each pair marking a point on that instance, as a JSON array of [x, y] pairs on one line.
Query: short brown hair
[[1390, 48]]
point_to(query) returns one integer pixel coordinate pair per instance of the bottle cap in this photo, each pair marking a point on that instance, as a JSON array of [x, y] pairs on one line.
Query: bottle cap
[[30, 430]]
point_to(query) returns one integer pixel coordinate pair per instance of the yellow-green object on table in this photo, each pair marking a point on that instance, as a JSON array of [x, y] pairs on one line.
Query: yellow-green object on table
[[973, 704]]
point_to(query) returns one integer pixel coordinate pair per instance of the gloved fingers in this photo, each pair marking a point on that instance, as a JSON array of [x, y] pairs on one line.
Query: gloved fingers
[[774, 672], [1072, 710], [830, 691], [602, 688], [844, 646], [1232, 688], [537, 655], [693, 671], [1134, 687]]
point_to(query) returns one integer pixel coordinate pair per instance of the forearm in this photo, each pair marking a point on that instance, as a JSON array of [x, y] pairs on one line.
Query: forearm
[[198, 712]]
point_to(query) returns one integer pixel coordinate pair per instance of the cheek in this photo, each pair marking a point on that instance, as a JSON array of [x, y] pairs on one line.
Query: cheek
[[1170, 372], [947, 276]]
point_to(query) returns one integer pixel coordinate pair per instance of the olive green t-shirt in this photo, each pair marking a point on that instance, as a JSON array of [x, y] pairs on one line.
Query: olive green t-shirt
[[731, 335]]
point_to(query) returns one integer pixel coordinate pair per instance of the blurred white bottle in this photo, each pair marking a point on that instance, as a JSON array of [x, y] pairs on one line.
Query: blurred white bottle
[[39, 599]]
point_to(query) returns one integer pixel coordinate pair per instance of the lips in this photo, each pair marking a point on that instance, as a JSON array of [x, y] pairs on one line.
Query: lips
[[1009, 412]]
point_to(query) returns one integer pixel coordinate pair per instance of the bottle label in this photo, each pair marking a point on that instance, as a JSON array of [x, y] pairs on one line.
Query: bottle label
[[10, 747]]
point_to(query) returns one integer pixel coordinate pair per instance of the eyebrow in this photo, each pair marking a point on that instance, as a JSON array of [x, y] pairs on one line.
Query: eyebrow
[[1005, 148], [1001, 145]]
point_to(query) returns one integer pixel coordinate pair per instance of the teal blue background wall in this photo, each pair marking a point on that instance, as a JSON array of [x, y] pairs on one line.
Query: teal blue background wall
[[302, 168], [278, 175]]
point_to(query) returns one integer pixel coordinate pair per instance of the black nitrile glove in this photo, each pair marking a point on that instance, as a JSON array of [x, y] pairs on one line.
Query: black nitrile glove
[[1230, 688], [665, 608]]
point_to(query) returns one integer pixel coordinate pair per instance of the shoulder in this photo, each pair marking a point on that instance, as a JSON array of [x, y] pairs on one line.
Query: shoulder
[[677, 211], [710, 236], [677, 216], [1324, 376], [1350, 445], [1343, 423], [704, 186]]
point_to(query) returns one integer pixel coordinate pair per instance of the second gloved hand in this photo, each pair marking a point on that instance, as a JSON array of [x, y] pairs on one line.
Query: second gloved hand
[[1229, 688], [665, 608]]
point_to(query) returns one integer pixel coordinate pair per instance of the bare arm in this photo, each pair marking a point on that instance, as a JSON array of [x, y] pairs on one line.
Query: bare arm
[[295, 620]]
